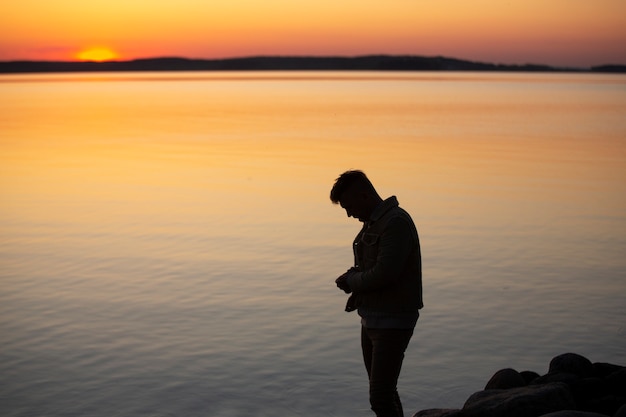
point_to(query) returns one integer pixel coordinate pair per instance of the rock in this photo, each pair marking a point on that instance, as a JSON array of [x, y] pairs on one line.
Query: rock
[[592, 394], [585, 388], [530, 401], [438, 412], [506, 378], [607, 405], [612, 398], [573, 413], [563, 377], [529, 376], [617, 382], [573, 387], [571, 363], [621, 412], [602, 369]]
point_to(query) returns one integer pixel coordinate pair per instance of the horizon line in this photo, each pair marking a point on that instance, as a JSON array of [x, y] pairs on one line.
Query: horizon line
[[392, 62]]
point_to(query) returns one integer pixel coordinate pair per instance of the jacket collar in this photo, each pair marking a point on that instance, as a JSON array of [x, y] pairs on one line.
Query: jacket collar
[[383, 208]]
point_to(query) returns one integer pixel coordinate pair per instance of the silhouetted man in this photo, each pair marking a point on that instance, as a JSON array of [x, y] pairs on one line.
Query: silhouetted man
[[385, 284]]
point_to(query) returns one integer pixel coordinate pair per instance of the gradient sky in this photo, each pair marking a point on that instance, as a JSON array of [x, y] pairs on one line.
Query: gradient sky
[[578, 33]]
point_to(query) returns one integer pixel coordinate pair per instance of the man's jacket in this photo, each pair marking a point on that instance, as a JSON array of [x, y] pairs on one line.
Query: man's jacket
[[388, 262]]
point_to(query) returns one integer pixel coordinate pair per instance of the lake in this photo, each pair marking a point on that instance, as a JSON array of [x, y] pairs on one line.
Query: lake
[[168, 246]]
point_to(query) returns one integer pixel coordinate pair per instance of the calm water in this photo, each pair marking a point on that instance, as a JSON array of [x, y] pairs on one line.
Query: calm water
[[168, 247]]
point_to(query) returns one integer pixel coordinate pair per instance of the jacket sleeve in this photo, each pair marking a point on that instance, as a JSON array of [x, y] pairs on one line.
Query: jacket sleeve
[[395, 246]]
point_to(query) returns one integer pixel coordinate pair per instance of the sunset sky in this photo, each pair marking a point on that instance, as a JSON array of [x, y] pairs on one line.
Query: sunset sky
[[578, 33]]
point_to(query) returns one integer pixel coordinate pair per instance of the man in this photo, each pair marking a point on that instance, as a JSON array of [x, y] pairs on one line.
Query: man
[[385, 284]]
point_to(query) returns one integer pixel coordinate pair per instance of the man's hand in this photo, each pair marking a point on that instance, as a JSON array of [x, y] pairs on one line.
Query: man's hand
[[342, 281]]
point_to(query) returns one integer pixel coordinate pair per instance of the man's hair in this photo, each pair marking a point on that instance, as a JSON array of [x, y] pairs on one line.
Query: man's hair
[[348, 180]]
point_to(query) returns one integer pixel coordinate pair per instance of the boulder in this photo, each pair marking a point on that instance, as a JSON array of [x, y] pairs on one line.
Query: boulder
[[603, 369], [438, 412], [530, 401], [563, 377], [602, 393], [573, 413], [571, 363], [621, 412], [617, 382], [573, 387], [529, 376], [505, 379]]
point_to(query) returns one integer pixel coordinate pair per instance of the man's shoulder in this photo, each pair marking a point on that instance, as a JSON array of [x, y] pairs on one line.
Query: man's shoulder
[[398, 212], [395, 218]]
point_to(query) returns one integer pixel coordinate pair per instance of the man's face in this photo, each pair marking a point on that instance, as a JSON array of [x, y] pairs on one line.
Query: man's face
[[354, 203]]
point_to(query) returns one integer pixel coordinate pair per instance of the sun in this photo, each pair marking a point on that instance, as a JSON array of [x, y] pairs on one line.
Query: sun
[[98, 54]]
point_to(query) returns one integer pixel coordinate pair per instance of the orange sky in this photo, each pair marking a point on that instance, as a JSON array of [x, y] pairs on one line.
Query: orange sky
[[578, 33]]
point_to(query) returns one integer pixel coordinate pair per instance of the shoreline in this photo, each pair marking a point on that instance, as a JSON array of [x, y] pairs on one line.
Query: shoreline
[[291, 63], [573, 387]]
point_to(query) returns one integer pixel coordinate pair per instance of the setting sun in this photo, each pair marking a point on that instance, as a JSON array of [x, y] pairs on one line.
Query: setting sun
[[98, 54], [562, 33]]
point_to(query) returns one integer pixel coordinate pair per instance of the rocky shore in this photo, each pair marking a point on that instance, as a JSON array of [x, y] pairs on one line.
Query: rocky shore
[[573, 387]]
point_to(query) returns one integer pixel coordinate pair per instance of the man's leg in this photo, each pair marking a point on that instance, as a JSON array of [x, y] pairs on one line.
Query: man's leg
[[366, 348], [383, 353]]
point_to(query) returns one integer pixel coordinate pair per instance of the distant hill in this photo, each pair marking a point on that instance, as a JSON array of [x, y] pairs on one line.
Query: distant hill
[[280, 63]]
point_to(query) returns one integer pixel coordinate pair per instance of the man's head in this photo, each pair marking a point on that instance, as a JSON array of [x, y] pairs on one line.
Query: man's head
[[356, 194]]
